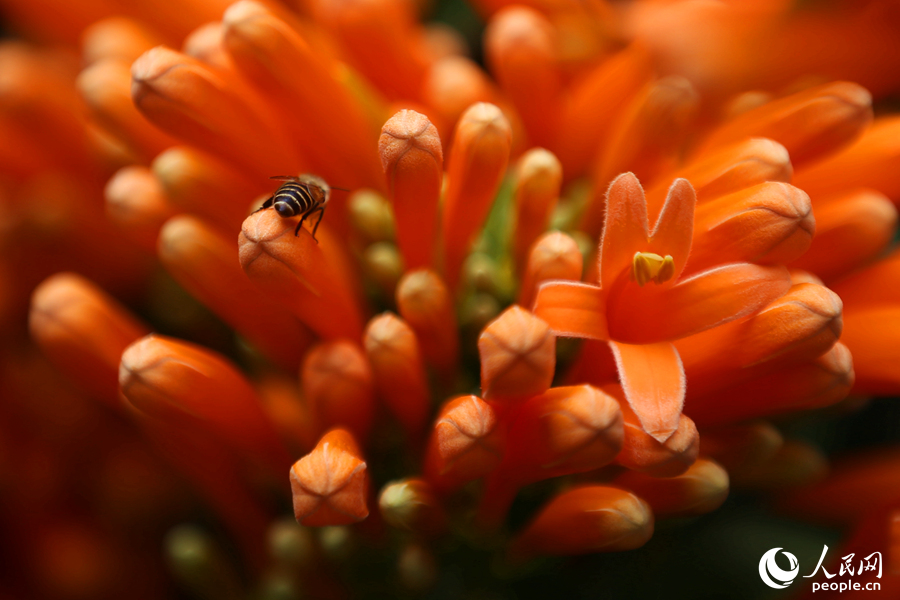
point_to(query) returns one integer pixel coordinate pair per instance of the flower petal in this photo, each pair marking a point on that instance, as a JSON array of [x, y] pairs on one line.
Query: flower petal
[[654, 384], [695, 304], [573, 309], [674, 229], [626, 230]]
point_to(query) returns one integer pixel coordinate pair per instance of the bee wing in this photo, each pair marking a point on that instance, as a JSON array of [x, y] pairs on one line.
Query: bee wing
[[284, 177]]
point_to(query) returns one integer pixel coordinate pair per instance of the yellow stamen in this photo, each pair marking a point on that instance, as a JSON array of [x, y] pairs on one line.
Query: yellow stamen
[[652, 267]]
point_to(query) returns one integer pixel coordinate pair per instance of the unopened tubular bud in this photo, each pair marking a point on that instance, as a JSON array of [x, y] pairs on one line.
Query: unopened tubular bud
[[465, 443], [810, 124], [584, 520], [518, 355], [476, 167], [371, 216], [117, 38], [425, 303], [743, 446], [330, 484], [179, 382], [729, 170], [644, 453], [83, 332], [136, 202], [697, 491], [338, 385], [553, 256], [412, 158], [399, 372], [769, 223], [537, 181]]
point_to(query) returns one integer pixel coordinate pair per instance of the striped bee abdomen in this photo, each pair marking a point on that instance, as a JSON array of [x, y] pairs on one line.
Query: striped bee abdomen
[[292, 199]]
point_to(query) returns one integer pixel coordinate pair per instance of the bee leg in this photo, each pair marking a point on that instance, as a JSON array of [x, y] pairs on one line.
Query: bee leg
[[266, 204], [300, 224], [321, 210]]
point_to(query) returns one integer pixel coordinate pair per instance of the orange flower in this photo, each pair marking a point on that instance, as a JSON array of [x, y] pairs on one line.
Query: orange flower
[[641, 303]]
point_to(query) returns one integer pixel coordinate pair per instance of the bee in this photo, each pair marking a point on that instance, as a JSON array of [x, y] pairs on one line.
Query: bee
[[303, 195]]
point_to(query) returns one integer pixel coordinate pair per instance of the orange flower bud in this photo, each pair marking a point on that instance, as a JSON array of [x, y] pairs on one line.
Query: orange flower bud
[[564, 430], [554, 255], [289, 412], [106, 87], [878, 283], [412, 158], [869, 162], [197, 183], [203, 261], [699, 490], [311, 280], [83, 332], [393, 351], [178, 383], [810, 124], [136, 202], [412, 505], [810, 384], [860, 223], [518, 355], [425, 304], [769, 223], [873, 336], [330, 484], [536, 190], [726, 171], [799, 326], [586, 519], [520, 46], [173, 90], [643, 452], [477, 165], [465, 443], [338, 385], [117, 38], [299, 80], [453, 84]]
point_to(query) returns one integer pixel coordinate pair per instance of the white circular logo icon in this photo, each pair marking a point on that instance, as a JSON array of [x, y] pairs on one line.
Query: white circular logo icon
[[772, 575]]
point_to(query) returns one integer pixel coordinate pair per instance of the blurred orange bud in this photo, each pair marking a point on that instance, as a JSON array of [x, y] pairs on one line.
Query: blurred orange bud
[[412, 505], [399, 372], [118, 38], [338, 385], [106, 87], [554, 255], [873, 336], [83, 332], [809, 124], [518, 356], [425, 304], [769, 223], [520, 47], [412, 158], [213, 111], [795, 464], [851, 230], [331, 483], [869, 162], [743, 446], [453, 84], [536, 184], [586, 519], [476, 166], [203, 261], [311, 279], [697, 491], [197, 183], [177, 382], [465, 444], [137, 203]]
